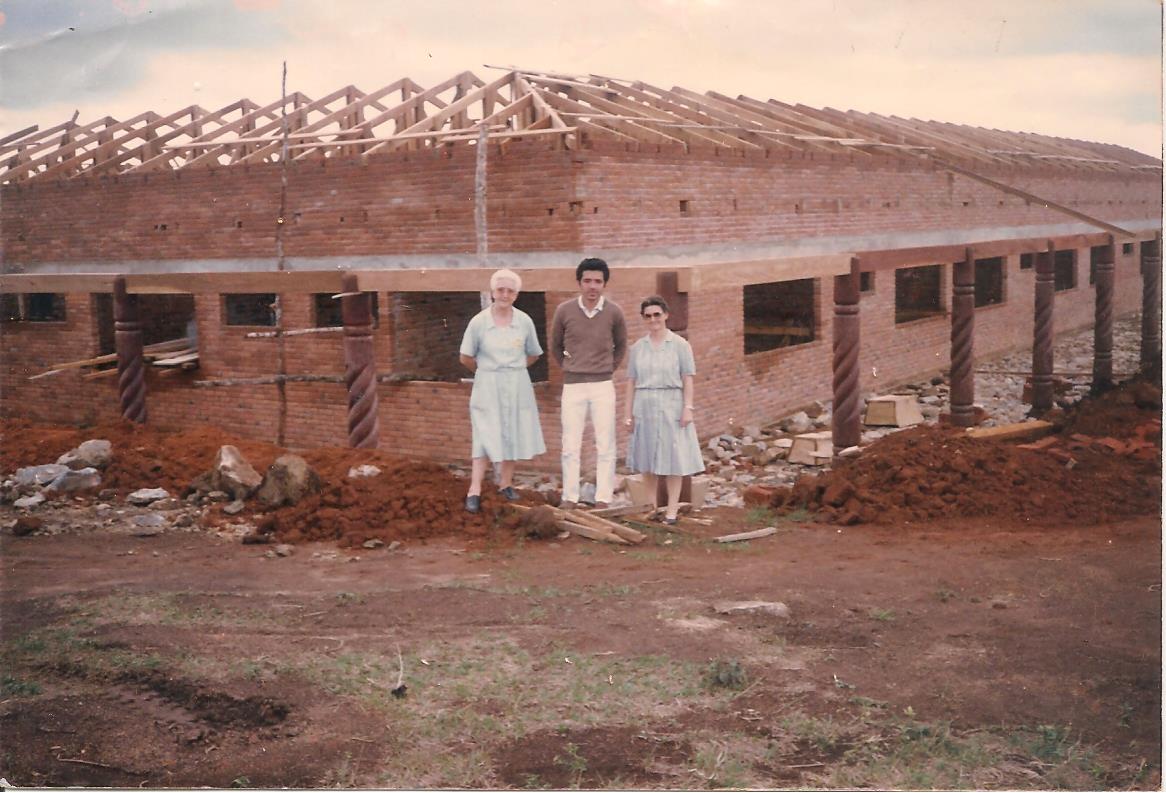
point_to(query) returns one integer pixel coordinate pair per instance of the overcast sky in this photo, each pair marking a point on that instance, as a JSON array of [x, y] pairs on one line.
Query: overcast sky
[[1088, 69]]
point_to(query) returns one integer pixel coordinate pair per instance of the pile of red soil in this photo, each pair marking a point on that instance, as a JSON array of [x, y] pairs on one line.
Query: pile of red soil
[[926, 473], [143, 456], [407, 500]]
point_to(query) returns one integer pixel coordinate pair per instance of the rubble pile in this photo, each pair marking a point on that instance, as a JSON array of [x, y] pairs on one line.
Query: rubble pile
[[930, 472]]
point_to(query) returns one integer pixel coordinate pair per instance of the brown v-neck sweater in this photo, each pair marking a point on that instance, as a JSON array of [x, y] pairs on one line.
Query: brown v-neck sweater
[[588, 349]]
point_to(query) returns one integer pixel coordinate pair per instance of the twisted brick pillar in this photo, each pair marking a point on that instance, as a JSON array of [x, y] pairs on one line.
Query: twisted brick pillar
[[131, 366], [1151, 253], [1042, 332], [1103, 278], [963, 325], [360, 371], [846, 421]]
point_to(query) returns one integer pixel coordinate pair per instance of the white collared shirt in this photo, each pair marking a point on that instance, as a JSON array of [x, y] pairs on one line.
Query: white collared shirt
[[590, 314]]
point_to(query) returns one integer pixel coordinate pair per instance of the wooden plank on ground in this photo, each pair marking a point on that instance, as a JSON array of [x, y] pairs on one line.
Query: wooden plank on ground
[[592, 533], [748, 535], [1026, 430]]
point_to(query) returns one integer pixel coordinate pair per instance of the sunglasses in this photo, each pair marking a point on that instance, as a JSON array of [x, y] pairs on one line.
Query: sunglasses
[[653, 315]]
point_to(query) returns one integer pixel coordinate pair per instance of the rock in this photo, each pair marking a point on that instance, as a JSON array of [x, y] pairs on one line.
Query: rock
[[218, 495], [146, 496], [772, 608], [753, 431], [797, 423], [283, 549], [358, 471], [784, 443], [148, 525], [28, 502], [90, 454], [772, 455], [714, 444], [235, 507], [751, 449], [70, 480], [373, 543], [288, 479], [758, 495], [937, 380], [234, 474], [929, 400], [166, 504], [39, 474], [25, 525], [815, 410], [184, 521], [850, 451]]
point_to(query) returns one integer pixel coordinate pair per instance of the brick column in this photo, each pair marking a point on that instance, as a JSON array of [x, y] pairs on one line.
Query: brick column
[[1042, 332], [360, 371], [1103, 278], [963, 323], [846, 420], [131, 365], [1151, 253]]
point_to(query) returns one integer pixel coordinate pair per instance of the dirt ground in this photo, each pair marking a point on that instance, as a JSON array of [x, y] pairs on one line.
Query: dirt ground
[[1006, 650]]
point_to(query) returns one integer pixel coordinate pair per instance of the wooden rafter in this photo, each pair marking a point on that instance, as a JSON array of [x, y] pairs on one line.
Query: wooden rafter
[[522, 103]]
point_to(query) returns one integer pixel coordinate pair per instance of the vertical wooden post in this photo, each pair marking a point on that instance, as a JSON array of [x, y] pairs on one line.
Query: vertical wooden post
[[963, 325], [1103, 278], [846, 420], [131, 366], [1151, 253], [360, 372], [1042, 331]]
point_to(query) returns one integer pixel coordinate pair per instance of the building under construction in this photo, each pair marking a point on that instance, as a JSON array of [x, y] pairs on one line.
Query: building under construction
[[301, 271]]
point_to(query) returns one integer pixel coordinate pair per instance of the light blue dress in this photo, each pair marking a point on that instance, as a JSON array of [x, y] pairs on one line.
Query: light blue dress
[[659, 445], [503, 413]]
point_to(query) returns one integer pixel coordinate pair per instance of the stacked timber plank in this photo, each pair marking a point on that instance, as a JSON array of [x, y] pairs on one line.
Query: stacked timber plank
[[593, 527], [180, 353]]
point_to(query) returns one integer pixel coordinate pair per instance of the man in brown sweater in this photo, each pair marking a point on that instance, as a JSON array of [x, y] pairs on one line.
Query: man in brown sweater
[[589, 338]]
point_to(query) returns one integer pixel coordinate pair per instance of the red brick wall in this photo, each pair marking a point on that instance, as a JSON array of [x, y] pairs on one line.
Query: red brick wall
[[408, 203], [635, 201]]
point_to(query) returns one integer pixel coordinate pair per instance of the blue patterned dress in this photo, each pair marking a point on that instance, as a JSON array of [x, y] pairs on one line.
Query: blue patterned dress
[[503, 413], [659, 445]]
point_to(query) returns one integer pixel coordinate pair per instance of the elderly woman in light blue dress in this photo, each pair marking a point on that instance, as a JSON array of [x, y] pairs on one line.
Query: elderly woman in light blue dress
[[659, 406], [498, 346]]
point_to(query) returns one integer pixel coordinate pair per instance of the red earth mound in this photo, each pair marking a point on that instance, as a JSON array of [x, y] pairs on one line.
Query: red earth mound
[[143, 456], [407, 500], [926, 473]]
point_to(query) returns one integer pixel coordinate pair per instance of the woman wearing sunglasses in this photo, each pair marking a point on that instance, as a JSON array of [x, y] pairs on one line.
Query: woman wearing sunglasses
[[659, 406], [498, 346]]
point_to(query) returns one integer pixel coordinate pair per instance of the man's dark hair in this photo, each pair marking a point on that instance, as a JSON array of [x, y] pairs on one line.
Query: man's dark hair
[[654, 300], [598, 265]]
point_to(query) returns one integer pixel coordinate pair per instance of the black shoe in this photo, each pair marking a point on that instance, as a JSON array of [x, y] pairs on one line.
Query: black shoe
[[473, 504], [510, 494]]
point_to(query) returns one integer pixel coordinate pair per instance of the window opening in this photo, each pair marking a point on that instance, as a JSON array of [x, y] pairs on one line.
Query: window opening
[[918, 293], [1065, 270], [779, 314], [327, 311], [989, 281], [250, 309]]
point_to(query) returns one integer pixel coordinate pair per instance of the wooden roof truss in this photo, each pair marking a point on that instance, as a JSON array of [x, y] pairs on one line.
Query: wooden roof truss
[[568, 109]]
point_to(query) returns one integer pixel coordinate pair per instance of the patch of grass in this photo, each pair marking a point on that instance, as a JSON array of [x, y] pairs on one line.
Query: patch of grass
[[762, 516], [944, 595], [15, 687], [725, 674], [349, 599], [882, 615], [572, 761], [718, 767], [613, 590]]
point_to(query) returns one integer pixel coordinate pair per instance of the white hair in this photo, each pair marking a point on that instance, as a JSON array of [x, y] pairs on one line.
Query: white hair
[[506, 275]]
